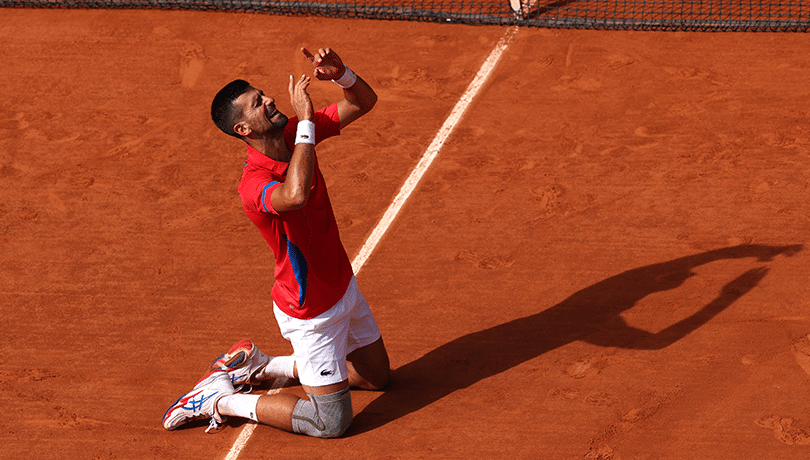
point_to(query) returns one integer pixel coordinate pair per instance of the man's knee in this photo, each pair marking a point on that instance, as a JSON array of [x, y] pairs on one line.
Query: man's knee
[[323, 416]]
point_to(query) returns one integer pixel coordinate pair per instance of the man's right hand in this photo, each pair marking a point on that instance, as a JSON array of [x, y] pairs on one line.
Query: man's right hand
[[301, 102]]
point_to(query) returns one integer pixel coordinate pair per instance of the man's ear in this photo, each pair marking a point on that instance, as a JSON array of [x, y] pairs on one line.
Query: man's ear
[[242, 129]]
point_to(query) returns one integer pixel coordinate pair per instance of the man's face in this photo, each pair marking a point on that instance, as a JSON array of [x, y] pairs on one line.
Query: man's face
[[260, 112]]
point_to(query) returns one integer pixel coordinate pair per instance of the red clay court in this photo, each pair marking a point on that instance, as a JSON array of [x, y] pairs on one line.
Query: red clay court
[[607, 260]]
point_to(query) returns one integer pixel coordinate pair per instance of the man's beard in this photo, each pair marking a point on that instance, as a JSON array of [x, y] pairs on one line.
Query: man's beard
[[279, 123]]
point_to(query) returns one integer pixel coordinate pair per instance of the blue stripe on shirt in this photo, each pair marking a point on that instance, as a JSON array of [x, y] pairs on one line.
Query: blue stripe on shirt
[[300, 269], [264, 191]]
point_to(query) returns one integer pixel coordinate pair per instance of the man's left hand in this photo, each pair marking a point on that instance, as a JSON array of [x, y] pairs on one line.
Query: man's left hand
[[327, 63]]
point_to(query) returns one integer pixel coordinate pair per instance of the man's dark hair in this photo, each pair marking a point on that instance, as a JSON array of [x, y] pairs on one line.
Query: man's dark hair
[[223, 111]]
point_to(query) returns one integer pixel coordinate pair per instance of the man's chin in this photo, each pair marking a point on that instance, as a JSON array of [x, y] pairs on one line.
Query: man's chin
[[280, 121]]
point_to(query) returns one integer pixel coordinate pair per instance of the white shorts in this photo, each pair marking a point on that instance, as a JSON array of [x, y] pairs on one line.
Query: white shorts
[[321, 344]]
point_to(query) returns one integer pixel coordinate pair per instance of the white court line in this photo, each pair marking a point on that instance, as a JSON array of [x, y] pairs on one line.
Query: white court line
[[404, 192], [247, 431], [433, 149]]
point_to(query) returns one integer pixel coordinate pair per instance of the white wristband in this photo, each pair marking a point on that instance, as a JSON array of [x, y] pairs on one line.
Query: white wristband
[[305, 132], [347, 80]]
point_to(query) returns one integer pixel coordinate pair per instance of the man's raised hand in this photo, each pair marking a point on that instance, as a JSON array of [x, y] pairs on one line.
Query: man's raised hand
[[301, 102], [327, 64]]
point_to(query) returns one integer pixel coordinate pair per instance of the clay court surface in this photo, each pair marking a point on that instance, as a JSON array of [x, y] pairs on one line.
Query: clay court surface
[[608, 259]]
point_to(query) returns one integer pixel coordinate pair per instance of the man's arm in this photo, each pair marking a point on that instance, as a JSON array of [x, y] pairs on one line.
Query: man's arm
[[294, 192], [357, 101], [358, 98]]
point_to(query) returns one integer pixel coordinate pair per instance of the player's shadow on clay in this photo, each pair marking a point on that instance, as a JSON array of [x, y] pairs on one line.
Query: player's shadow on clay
[[591, 315]]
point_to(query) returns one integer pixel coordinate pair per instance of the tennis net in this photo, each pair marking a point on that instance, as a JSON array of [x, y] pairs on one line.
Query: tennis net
[[697, 15]]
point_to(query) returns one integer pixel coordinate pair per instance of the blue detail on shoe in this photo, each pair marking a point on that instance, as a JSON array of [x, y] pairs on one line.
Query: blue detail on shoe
[[300, 269], [238, 362], [197, 403]]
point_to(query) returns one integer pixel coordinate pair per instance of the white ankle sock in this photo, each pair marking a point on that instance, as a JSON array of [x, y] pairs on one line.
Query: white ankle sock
[[278, 366], [239, 405]]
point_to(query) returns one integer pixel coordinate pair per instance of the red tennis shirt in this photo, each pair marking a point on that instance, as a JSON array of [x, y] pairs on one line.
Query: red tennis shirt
[[312, 269]]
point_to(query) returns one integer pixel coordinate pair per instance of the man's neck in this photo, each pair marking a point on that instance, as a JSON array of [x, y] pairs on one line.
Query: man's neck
[[272, 147]]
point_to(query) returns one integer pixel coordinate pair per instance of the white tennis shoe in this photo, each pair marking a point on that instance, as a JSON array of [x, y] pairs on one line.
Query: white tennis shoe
[[200, 403], [242, 362]]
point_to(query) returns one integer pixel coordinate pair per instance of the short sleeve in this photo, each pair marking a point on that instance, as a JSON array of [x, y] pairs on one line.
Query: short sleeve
[[256, 196]]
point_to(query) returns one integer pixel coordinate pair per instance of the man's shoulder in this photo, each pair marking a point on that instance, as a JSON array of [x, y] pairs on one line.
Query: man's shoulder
[[255, 177]]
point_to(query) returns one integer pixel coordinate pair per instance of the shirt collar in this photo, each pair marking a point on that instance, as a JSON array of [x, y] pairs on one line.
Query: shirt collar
[[261, 160]]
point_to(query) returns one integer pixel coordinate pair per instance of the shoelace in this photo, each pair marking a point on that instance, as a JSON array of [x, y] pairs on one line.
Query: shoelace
[[214, 425]]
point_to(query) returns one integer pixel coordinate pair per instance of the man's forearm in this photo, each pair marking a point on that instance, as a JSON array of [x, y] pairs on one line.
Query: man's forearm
[[294, 193], [358, 100], [361, 95]]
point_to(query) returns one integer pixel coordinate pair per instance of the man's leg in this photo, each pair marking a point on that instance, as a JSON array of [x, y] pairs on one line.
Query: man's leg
[[321, 359], [327, 413], [274, 410], [369, 367]]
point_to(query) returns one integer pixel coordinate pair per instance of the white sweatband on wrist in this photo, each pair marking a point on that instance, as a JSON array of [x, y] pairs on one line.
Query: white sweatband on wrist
[[348, 79], [305, 132]]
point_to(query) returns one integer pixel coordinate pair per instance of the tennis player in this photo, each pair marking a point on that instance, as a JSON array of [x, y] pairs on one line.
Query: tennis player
[[335, 338]]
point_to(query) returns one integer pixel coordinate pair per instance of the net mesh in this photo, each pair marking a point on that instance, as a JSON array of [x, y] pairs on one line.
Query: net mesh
[[698, 15]]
